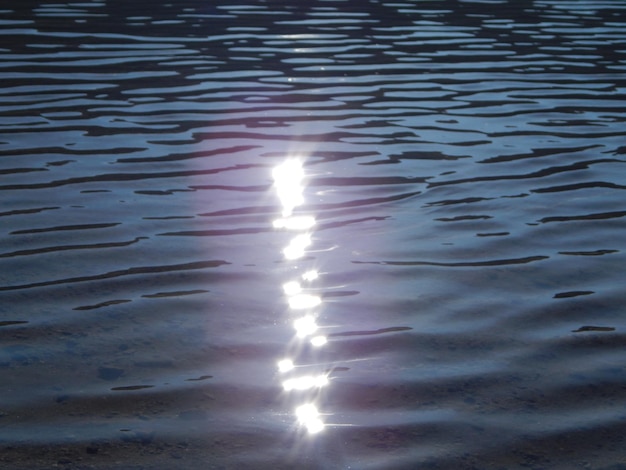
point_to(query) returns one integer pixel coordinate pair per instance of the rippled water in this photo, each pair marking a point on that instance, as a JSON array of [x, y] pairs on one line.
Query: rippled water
[[463, 162]]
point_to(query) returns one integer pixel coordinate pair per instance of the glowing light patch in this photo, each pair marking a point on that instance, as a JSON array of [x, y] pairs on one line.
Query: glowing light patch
[[292, 288], [304, 301], [288, 173], [308, 416], [315, 425], [297, 247], [319, 340], [288, 181], [303, 222], [311, 275], [285, 365], [306, 382], [305, 326]]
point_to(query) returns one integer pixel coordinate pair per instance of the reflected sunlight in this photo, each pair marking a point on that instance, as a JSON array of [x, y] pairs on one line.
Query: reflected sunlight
[[301, 222], [319, 340], [292, 288], [297, 247], [308, 416], [285, 365], [306, 382], [305, 326], [288, 181], [289, 178], [304, 301]]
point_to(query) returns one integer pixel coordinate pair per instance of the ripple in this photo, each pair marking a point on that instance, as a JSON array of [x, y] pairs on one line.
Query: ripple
[[463, 167]]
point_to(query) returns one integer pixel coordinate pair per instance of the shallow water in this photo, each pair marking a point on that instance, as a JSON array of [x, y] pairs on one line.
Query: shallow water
[[464, 165]]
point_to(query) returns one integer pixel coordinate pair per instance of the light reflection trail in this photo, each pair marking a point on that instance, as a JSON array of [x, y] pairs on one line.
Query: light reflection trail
[[289, 184]]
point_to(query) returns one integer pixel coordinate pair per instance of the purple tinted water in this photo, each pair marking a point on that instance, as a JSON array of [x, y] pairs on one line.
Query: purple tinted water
[[463, 163]]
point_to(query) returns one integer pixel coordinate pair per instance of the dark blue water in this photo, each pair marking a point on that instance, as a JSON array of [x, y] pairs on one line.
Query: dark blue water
[[441, 263]]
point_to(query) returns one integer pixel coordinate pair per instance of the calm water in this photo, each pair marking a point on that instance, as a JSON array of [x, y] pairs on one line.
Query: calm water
[[419, 205]]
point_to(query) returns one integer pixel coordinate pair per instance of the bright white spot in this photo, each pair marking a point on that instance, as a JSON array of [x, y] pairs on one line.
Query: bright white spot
[[319, 340], [306, 412], [306, 382], [308, 416], [288, 172], [285, 365], [302, 222], [305, 326], [297, 246], [292, 288], [311, 275], [314, 425], [304, 301], [288, 181]]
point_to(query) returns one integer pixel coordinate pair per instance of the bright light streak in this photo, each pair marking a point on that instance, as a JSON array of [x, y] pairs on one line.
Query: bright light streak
[[304, 301], [308, 416], [311, 275], [292, 288], [306, 382], [305, 326], [285, 365], [319, 340]]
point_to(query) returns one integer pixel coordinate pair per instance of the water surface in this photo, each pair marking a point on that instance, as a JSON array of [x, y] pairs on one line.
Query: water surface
[[463, 163]]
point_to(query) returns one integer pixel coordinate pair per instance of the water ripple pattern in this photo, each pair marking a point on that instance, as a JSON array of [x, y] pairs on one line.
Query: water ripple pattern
[[465, 166]]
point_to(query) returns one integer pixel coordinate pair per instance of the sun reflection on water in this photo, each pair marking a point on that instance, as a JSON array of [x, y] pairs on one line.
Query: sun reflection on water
[[303, 301], [302, 222], [288, 178], [319, 340], [305, 326], [292, 288], [305, 382], [311, 275], [297, 246], [285, 365], [308, 416], [299, 292]]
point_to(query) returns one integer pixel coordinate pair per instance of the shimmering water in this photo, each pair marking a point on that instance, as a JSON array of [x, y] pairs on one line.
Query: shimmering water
[[462, 162]]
